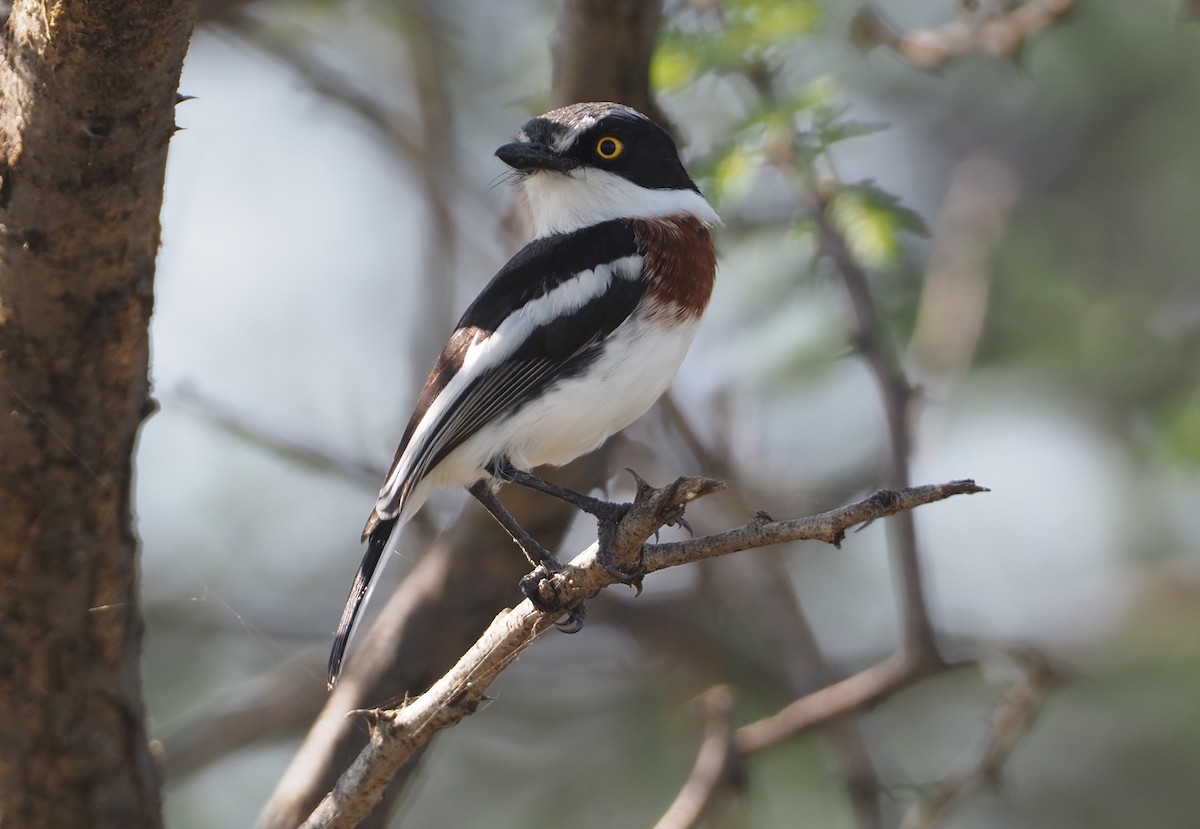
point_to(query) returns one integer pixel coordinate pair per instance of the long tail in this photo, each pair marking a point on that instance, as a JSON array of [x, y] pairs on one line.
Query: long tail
[[376, 545]]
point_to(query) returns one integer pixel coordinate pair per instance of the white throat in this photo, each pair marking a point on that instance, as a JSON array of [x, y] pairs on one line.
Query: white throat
[[561, 203]]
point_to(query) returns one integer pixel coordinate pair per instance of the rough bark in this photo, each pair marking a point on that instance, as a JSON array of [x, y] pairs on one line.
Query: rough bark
[[87, 93]]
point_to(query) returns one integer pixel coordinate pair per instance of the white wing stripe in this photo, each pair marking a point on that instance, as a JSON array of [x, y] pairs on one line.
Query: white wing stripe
[[493, 350]]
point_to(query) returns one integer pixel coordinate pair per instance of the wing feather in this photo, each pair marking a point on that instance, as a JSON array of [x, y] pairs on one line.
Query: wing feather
[[465, 392]]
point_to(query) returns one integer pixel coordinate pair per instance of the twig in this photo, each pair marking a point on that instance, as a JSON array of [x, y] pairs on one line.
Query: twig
[[396, 733], [796, 660], [438, 177], [292, 449], [894, 389], [853, 693], [999, 34], [717, 768], [829, 527], [1011, 721], [397, 131]]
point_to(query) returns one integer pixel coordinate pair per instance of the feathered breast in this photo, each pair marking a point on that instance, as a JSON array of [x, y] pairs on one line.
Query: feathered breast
[[680, 263]]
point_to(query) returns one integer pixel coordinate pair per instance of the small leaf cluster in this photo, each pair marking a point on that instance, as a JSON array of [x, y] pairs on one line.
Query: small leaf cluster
[[782, 140]]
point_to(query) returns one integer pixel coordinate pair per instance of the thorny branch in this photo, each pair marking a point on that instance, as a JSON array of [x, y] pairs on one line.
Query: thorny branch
[[396, 733]]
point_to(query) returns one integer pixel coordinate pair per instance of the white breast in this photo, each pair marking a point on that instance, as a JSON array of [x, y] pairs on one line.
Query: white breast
[[579, 413]]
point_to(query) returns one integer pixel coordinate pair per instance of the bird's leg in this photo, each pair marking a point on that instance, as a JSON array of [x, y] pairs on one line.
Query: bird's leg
[[606, 513], [544, 564], [603, 510], [535, 552]]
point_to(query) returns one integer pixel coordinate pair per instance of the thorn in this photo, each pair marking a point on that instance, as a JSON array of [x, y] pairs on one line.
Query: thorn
[[642, 487]]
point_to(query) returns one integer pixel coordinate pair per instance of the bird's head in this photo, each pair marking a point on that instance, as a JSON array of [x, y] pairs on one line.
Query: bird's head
[[589, 163]]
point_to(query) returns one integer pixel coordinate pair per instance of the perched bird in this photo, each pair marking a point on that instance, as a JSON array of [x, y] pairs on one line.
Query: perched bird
[[574, 338]]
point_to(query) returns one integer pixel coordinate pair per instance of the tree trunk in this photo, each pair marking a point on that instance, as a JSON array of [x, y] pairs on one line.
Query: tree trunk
[[87, 93]]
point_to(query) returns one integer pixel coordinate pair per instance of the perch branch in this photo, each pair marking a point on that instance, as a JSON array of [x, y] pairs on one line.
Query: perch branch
[[396, 733]]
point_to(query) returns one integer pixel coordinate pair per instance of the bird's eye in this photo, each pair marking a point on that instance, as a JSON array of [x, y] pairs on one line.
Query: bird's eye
[[609, 147]]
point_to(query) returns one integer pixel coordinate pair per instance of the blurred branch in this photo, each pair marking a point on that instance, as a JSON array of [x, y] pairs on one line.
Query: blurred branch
[[870, 338], [271, 702], [438, 175], [1011, 721], [714, 771], [396, 130], [852, 694], [849, 696], [717, 769], [396, 733], [954, 297], [295, 450], [869, 335], [423, 144], [996, 32]]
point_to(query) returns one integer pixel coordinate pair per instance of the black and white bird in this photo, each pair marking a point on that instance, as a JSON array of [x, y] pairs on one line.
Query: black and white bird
[[574, 339]]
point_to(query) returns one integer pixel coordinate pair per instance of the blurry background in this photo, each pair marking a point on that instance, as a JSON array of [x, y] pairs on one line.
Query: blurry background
[[332, 205]]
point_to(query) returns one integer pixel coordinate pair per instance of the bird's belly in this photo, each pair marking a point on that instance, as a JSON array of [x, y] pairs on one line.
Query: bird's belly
[[577, 414]]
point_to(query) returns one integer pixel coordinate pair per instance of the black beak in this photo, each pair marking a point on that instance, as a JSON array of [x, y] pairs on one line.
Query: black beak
[[527, 157]]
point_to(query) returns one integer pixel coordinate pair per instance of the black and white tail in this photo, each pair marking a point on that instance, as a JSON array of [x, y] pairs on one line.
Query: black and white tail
[[377, 544]]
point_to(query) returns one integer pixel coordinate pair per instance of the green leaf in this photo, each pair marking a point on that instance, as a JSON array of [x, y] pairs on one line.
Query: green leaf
[[872, 221]]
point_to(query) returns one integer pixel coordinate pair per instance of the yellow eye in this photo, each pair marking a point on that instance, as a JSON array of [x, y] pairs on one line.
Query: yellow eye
[[609, 147]]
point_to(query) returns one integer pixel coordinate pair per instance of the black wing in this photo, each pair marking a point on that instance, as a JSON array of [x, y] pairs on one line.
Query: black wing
[[557, 349]]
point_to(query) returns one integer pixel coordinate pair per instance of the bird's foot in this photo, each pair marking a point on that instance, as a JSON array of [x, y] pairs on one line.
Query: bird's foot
[[683, 524], [680, 522], [538, 587], [632, 577]]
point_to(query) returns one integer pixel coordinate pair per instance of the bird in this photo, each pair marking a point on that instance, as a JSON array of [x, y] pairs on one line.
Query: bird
[[571, 341]]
